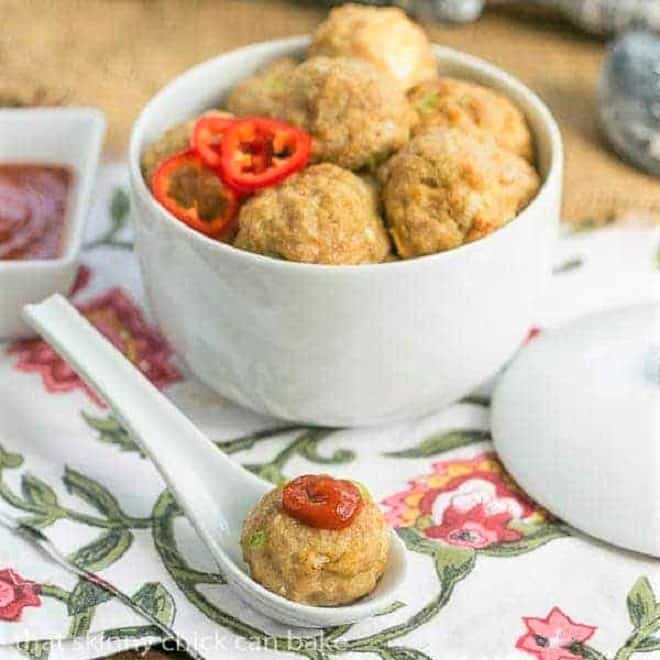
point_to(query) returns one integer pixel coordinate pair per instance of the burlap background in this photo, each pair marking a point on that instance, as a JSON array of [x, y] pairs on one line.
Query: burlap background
[[116, 53]]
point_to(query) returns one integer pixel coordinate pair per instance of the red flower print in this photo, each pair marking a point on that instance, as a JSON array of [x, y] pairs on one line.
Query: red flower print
[[552, 637], [83, 276], [118, 318], [15, 594], [468, 503], [533, 333]]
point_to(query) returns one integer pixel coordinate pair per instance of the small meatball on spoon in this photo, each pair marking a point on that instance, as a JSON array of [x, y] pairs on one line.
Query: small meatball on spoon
[[215, 493]]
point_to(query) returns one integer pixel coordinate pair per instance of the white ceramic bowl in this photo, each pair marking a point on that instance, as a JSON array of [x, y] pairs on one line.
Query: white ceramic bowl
[[342, 345], [59, 136]]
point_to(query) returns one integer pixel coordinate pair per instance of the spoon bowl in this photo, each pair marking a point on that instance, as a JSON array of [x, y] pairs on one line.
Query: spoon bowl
[[214, 492]]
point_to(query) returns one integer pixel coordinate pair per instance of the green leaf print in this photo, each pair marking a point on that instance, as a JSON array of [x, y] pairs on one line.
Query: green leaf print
[[267, 471], [442, 442], [132, 632], [157, 601], [403, 653], [305, 445], [9, 460], [93, 493], [476, 400], [415, 541], [85, 596], [453, 564], [586, 652], [80, 623], [103, 551], [644, 614], [641, 603], [38, 498], [649, 644], [567, 266], [111, 432], [315, 654], [120, 205], [527, 543], [308, 449], [35, 650], [396, 605], [246, 442], [38, 492], [528, 528], [41, 521]]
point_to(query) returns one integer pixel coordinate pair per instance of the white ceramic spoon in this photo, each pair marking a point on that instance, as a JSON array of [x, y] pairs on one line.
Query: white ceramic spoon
[[214, 492]]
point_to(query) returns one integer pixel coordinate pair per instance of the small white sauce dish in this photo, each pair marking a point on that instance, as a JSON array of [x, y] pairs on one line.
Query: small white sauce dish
[[342, 345], [70, 137]]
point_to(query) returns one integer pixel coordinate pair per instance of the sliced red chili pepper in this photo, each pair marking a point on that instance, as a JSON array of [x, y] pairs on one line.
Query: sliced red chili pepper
[[258, 152], [195, 194], [319, 500], [207, 136]]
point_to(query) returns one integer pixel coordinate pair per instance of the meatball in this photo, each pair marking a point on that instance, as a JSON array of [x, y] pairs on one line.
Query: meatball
[[356, 114], [384, 36], [170, 142], [448, 187], [323, 215], [452, 103], [264, 93], [311, 565]]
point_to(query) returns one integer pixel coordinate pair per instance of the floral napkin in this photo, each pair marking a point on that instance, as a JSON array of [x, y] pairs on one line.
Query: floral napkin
[[95, 555]]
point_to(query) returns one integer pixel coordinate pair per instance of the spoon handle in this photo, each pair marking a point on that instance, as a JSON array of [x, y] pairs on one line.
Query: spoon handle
[[196, 471]]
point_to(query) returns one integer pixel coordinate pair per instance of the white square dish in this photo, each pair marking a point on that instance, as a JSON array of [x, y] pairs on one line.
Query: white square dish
[[71, 137]]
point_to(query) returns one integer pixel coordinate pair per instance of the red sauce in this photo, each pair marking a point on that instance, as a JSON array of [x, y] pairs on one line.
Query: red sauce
[[33, 209], [319, 500]]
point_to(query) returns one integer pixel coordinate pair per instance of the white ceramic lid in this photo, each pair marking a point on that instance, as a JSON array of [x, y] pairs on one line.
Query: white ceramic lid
[[576, 421]]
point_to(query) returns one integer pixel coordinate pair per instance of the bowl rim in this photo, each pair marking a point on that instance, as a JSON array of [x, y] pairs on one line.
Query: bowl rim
[[297, 43], [83, 179]]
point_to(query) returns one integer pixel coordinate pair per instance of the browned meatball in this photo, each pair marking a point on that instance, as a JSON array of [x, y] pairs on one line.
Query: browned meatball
[[357, 115], [170, 142], [452, 103], [384, 36], [265, 92], [323, 215], [448, 187], [310, 565]]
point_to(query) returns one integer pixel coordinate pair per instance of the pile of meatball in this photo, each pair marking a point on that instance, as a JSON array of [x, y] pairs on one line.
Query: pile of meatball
[[404, 163]]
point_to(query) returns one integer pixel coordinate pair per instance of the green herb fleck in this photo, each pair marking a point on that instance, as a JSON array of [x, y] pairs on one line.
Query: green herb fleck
[[257, 540], [427, 103], [274, 84]]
